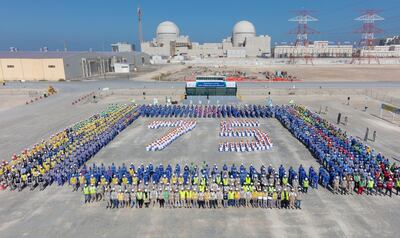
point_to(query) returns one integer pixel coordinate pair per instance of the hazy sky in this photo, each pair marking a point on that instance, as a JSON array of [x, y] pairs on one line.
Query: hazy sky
[[84, 24]]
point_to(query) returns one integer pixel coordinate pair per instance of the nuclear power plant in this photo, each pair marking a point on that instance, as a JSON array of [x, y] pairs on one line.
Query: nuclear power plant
[[211, 119], [243, 42]]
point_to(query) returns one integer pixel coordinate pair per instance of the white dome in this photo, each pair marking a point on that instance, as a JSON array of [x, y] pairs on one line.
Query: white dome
[[167, 31], [241, 31]]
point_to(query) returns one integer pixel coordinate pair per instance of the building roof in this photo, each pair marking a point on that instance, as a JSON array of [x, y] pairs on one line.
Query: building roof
[[56, 54], [37, 54], [244, 27]]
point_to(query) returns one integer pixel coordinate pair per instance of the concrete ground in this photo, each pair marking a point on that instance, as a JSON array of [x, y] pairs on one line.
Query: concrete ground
[[201, 144], [58, 212]]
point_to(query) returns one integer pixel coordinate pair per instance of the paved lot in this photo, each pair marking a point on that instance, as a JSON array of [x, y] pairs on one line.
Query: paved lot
[[201, 144], [58, 212], [118, 83]]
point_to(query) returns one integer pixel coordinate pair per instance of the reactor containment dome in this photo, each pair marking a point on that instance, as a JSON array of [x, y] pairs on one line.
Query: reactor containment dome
[[167, 31], [241, 31]]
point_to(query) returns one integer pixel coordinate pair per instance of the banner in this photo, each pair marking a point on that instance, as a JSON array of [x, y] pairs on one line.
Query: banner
[[211, 84]]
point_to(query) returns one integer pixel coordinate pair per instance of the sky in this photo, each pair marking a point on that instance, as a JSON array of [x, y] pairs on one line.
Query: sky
[[95, 24]]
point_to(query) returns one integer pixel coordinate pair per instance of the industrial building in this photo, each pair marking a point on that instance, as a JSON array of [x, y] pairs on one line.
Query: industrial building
[[123, 47], [242, 43], [55, 66], [386, 48], [318, 49], [382, 51]]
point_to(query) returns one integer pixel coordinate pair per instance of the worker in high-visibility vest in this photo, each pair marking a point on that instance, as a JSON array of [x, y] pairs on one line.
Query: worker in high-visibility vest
[[247, 180], [397, 186], [370, 186], [305, 185], [120, 199], [93, 192], [92, 180], [82, 181], [86, 193], [115, 180], [285, 198], [124, 181], [73, 182]]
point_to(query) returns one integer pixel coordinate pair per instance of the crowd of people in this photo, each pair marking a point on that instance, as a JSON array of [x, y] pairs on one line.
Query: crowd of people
[[206, 111], [181, 127], [192, 186], [230, 128], [52, 160], [347, 164]]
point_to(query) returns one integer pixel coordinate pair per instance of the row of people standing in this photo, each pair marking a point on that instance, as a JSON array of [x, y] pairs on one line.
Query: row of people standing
[[192, 175], [207, 111], [213, 196]]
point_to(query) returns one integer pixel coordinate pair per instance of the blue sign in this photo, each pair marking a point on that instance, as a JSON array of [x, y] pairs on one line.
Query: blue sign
[[210, 84]]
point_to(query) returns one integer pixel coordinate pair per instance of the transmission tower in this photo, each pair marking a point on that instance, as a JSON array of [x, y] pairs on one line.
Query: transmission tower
[[368, 31], [140, 15], [302, 31]]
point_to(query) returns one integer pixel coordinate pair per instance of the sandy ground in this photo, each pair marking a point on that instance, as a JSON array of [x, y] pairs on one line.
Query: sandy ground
[[307, 73], [163, 71], [58, 212], [346, 72]]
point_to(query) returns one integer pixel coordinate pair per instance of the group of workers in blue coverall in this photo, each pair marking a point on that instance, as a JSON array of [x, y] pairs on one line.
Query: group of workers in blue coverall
[[348, 165], [207, 111], [192, 186]]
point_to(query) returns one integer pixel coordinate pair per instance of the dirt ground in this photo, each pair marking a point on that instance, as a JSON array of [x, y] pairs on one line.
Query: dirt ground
[[323, 73]]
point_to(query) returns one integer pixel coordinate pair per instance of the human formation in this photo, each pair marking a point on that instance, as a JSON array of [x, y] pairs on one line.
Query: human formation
[[181, 127], [206, 111], [240, 129], [347, 163], [192, 186], [52, 160]]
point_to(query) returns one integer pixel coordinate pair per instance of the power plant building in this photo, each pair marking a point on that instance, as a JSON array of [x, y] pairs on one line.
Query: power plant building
[[123, 47], [242, 43], [318, 49]]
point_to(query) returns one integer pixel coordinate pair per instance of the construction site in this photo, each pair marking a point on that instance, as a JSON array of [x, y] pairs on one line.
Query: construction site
[[242, 138]]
